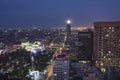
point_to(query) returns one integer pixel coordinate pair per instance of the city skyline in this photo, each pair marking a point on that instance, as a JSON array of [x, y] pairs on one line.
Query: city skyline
[[55, 13]]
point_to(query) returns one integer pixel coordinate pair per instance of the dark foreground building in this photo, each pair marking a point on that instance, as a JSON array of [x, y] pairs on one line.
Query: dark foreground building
[[85, 48]]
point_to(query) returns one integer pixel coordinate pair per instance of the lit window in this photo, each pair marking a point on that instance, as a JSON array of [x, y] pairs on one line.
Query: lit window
[[109, 27], [55, 74], [103, 69], [65, 72], [104, 57], [101, 64], [107, 35], [109, 51], [112, 27], [112, 30], [65, 61], [109, 59]]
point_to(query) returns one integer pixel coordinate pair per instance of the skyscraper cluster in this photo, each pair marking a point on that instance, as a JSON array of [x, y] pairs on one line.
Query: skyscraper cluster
[[99, 47]]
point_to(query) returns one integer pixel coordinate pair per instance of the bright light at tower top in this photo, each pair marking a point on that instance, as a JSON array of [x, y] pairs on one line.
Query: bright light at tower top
[[68, 22]]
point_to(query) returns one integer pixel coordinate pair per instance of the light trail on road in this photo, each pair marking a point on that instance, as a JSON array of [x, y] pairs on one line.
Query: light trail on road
[[50, 72]]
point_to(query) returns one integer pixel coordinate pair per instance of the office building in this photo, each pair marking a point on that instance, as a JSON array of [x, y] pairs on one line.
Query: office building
[[107, 44], [85, 46], [61, 67]]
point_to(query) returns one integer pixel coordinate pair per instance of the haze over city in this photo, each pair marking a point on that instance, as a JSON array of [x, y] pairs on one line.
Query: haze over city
[[54, 13]]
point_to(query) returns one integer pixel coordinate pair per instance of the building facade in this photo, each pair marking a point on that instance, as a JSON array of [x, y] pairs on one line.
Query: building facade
[[85, 47], [61, 67], [107, 44]]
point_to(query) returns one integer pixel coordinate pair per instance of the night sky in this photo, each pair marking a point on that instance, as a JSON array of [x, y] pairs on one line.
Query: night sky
[[54, 13]]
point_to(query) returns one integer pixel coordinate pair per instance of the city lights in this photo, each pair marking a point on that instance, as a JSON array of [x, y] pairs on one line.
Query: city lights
[[59, 40]]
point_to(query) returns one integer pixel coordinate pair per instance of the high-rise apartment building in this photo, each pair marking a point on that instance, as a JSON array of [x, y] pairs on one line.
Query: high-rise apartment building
[[61, 67], [107, 44]]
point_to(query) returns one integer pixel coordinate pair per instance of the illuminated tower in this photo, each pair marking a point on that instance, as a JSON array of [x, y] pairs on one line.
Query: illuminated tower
[[68, 28], [107, 43], [68, 32]]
